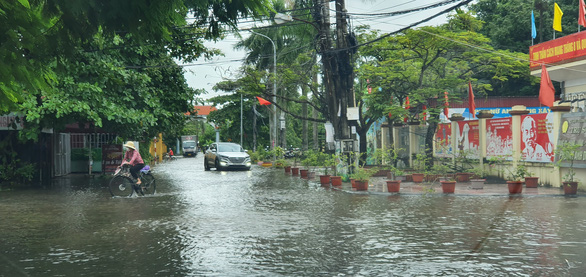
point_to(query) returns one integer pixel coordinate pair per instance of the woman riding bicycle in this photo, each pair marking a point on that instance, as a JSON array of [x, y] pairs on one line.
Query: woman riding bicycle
[[133, 158]]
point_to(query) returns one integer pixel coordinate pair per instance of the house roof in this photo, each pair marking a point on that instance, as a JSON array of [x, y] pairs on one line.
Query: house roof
[[202, 110]]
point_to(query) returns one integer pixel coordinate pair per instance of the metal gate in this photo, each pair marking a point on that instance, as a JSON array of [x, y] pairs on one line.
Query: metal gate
[[82, 144], [62, 155]]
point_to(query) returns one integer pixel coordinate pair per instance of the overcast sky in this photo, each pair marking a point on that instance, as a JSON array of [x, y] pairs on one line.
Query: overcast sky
[[204, 74]]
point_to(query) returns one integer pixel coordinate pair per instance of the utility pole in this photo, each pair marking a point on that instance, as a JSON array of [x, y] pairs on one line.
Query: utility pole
[[337, 67]]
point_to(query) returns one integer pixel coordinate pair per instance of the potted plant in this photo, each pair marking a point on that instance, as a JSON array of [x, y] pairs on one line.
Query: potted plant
[[324, 160], [295, 166], [267, 157], [361, 177], [309, 163], [386, 159], [283, 163], [447, 181], [394, 184], [478, 177], [335, 159], [516, 178], [531, 181], [462, 165], [419, 166], [566, 154]]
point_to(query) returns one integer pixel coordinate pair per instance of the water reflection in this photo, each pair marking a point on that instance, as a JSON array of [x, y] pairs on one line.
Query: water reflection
[[265, 223]]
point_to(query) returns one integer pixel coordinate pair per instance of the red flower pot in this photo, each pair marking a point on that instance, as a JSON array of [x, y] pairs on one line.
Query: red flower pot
[[295, 171], [287, 169], [324, 179], [448, 186], [336, 180], [417, 177], [463, 177], [515, 186], [361, 185], [531, 182], [353, 182], [303, 173], [393, 185], [570, 188]]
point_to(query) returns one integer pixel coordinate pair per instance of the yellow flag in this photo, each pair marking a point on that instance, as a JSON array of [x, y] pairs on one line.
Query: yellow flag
[[557, 18]]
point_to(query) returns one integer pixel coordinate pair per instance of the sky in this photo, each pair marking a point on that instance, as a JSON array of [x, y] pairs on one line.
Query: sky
[[204, 74]]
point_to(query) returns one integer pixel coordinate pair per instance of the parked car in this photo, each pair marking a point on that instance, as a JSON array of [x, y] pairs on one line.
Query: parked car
[[224, 155]]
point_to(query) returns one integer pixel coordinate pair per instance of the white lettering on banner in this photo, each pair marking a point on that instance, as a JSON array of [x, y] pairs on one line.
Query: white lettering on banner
[[6, 122]]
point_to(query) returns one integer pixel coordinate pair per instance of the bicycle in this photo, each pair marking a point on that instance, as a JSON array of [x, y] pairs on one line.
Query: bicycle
[[168, 158], [124, 185]]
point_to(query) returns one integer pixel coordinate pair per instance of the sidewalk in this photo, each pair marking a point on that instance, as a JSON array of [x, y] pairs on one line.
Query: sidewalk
[[378, 185]]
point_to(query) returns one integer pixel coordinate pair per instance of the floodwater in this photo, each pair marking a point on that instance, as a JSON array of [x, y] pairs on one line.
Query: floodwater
[[265, 223]]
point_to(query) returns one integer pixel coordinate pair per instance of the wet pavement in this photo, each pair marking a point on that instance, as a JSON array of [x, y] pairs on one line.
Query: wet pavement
[[264, 222]]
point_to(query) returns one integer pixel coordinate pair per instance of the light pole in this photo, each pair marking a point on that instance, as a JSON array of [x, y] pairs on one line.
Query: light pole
[[274, 93]]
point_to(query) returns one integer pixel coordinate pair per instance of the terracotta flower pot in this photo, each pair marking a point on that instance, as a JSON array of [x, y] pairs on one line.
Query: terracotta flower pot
[[295, 171], [393, 185], [531, 182], [353, 182], [417, 177], [463, 177], [515, 186], [324, 179], [303, 173], [361, 185], [570, 188], [336, 180], [287, 169], [448, 186]]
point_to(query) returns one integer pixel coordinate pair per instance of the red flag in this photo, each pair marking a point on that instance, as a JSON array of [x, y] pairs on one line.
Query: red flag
[[446, 105], [424, 112], [263, 101], [546, 90], [407, 106], [582, 12], [471, 105]]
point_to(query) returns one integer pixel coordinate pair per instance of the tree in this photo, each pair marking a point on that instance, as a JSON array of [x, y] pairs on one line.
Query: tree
[[423, 63], [40, 34]]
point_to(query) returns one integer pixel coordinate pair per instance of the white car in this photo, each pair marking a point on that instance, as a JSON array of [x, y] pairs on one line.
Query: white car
[[224, 155]]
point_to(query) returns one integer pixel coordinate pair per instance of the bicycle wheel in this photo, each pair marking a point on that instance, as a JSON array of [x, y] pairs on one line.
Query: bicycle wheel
[[150, 186], [121, 186]]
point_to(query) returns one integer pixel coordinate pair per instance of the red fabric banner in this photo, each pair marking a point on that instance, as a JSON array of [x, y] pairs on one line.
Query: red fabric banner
[[263, 101], [546, 90]]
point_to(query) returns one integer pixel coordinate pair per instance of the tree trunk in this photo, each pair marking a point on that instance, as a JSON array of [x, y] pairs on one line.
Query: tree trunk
[[337, 68], [254, 132], [304, 134], [315, 143], [431, 127]]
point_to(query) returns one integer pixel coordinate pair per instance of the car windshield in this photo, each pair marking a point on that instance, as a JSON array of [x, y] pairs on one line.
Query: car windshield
[[228, 148]]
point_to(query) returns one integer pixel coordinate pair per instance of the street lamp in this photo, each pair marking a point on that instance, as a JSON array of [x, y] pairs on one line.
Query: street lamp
[[274, 92]]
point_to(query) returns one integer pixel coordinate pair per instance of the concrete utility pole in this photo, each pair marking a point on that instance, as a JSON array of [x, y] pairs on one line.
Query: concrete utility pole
[[337, 67]]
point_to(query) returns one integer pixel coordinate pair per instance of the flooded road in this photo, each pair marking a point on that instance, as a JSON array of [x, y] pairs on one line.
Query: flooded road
[[265, 223]]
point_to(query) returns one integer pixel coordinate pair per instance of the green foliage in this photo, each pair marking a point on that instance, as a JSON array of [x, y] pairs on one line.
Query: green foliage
[[479, 171], [362, 174], [109, 63], [310, 159], [566, 154], [442, 169], [281, 163], [420, 162], [517, 173], [145, 153], [386, 159], [13, 170]]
